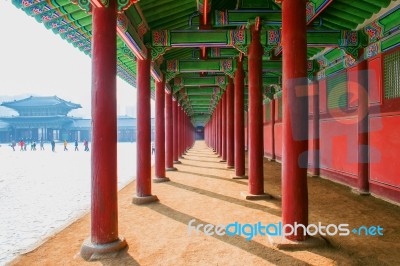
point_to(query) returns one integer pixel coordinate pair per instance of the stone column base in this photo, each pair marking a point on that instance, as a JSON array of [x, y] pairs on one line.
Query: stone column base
[[90, 251], [138, 200], [280, 242], [360, 193], [160, 179], [169, 169], [234, 176], [248, 196]]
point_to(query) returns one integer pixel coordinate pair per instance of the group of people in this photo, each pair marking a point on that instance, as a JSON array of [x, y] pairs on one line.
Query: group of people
[[23, 145]]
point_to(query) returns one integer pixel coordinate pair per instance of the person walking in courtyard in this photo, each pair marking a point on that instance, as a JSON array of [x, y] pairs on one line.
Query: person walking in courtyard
[[41, 144], [65, 145], [153, 148], [76, 145], [53, 146], [13, 145], [21, 144], [86, 145]]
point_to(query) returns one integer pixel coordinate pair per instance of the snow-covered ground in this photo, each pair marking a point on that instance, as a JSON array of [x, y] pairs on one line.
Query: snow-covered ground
[[42, 192]]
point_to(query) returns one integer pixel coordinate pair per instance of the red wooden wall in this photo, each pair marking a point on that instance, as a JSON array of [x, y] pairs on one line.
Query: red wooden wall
[[338, 134]]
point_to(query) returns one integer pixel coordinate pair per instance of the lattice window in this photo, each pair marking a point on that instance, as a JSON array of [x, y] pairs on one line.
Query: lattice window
[[392, 75], [337, 91]]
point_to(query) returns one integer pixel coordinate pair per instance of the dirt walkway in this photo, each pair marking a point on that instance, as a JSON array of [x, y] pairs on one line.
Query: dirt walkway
[[157, 234]]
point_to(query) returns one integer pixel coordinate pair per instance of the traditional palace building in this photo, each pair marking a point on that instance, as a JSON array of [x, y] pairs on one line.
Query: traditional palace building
[[47, 118]]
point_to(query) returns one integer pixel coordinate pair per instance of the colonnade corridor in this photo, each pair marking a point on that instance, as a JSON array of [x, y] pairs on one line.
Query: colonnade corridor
[[202, 191]]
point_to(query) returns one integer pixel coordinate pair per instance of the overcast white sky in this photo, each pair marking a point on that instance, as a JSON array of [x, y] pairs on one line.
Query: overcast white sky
[[33, 60]]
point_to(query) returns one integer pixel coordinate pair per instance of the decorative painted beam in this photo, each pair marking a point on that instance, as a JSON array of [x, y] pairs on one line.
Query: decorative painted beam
[[388, 42], [267, 81], [200, 81], [128, 34], [226, 66], [138, 20], [349, 41], [268, 66], [314, 8], [312, 68], [164, 39], [212, 65], [156, 72], [383, 26], [195, 91], [87, 5], [241, 17], [217, 53]]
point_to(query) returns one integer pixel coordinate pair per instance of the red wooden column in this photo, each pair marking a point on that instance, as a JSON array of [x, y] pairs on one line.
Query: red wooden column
[[229, 126], [239, 121], [220, 126], [159, 170], [180, 132], [223, 120], [169, 148], [255, 121], [272, 108], [295, 116], [104, 206], [175, 131], [314, 90], [143, 139], [217, 120], [187, 141], [215, 134], [217, 141], [362, 128], [214, 131]]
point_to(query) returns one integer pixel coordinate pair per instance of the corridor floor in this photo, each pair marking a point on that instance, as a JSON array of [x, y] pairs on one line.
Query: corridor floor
[[202, 189]]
